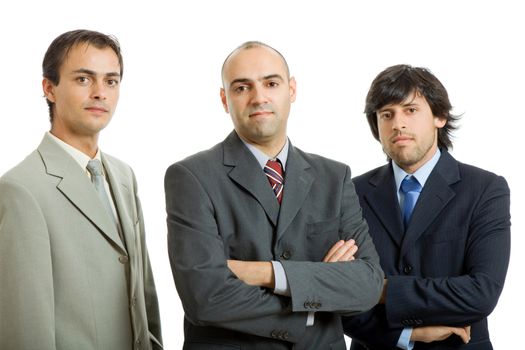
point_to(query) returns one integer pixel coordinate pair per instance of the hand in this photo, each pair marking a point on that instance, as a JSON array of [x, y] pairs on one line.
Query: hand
[[435, 333], [382, 299], [341, 251], [254, 273]]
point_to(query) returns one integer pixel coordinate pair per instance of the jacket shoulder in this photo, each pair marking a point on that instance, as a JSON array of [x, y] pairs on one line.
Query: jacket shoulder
[[202, 161], [25, 171], [323, 164], [363, 179]]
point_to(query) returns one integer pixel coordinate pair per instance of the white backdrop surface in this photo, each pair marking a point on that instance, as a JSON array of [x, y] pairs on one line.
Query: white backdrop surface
[[170, 108]]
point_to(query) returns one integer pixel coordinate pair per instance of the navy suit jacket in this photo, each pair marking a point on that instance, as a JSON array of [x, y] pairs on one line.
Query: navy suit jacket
[[448, 266]]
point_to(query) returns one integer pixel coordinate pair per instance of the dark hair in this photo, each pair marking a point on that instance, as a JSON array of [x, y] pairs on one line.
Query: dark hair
[[395, 84], [250, 45], [60, 47]]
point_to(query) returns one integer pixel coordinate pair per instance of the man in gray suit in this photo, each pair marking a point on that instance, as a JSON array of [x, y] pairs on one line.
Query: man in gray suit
[[73, 261], [262, 236]]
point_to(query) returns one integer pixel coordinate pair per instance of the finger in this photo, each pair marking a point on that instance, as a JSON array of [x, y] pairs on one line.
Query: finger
[[467, 330], [462, 333], [339, 253], [349, 255], [332, 250]]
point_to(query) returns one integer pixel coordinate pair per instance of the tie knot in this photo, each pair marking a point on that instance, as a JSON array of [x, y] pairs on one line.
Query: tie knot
[[410, 184], [94, 167], [274, 170]]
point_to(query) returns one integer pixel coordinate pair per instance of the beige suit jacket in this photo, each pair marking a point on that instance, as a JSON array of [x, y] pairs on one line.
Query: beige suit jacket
[[68, 281]]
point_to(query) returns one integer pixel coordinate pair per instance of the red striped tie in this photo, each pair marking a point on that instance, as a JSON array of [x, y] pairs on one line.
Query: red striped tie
[[274, 173]]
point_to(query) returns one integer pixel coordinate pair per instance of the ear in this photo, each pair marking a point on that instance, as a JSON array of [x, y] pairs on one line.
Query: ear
[[224, 101], [440, 122], [293, 89], [49, 89]]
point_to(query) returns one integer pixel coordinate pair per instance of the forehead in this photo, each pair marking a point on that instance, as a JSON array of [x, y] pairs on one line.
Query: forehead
[[88, 56], [254, 63], [413, 98]]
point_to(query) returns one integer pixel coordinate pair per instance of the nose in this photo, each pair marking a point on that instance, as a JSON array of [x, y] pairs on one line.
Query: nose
[[98, 91], [259, 96], [398, 122]]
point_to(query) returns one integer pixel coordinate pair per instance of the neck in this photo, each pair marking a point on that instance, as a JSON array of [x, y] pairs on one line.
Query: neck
[[412, 168], [271, 149], [85, 144]]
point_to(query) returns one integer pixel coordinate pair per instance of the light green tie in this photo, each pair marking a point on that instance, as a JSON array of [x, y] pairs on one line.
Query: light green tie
[[97, 177]]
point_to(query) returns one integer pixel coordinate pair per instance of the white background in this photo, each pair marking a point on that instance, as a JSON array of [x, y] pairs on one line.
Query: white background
[[170, 107]]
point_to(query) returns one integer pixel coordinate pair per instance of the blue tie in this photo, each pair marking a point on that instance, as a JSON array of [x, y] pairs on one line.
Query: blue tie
[[411, 188]]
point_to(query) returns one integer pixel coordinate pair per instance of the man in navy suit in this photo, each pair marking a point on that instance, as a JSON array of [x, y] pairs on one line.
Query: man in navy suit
[[441, 227]]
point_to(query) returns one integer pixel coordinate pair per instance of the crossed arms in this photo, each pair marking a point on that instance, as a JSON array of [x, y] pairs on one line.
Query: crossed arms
[[212, 295]]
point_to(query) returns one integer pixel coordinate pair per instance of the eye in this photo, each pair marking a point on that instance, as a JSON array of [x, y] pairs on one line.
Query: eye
[[272, 84], [241, 88], [112, 82], [412, 110], [82, 80], [385, 115]]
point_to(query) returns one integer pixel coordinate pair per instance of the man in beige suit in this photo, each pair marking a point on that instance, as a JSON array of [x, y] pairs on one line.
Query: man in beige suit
[[74, 268]]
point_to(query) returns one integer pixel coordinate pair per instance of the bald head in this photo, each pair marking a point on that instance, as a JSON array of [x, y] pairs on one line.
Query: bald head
[[251, 45]]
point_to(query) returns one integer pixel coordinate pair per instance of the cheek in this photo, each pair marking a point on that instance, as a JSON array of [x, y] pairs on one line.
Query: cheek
[[382, 130]]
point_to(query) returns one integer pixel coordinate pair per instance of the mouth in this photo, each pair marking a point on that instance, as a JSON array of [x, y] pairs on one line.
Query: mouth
[[96, 109], [401, 139], [260, 114]]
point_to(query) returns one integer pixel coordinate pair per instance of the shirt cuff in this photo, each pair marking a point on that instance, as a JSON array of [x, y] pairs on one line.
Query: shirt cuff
[[281, 282], [310, 319], [404, 339]]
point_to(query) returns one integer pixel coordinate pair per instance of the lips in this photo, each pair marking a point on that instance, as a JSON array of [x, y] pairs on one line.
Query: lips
[[401, 138], [97, 109], [260, 113]]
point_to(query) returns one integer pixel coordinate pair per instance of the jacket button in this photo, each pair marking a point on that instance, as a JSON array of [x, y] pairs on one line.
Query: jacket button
[[318, 305], [274, 334], [307, 305], [123, 259], [407, 269], [286, 255]]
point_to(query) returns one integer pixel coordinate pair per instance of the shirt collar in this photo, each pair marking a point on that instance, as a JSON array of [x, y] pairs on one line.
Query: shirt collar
[[81, 158], [421, 174], [262, 157]]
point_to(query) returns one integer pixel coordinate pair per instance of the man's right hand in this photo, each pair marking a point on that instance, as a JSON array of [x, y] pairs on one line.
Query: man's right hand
[[435, 333], [341, 251]]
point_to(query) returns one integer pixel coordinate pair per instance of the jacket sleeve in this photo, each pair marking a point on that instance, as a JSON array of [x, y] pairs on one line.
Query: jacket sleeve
[[150, 292], [211, 295], [371, 329], [26, 296], [344, 287], [466, 298]]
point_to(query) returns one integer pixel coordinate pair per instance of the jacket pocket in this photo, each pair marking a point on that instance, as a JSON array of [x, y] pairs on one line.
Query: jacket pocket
[[320, 237]]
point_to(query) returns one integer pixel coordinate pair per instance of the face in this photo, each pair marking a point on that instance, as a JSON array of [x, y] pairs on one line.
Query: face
[[87, 93], [408, 132], [258, 94]]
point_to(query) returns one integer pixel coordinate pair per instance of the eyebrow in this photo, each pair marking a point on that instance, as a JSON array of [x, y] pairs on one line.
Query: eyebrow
[[93, 73], [389, 106], [246, 80]]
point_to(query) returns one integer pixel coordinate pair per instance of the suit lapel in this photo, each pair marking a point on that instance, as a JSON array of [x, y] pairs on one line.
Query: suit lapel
[[298, 180], [247, 173], [75, 185], [120, 192], [384, 196], [436, 194]]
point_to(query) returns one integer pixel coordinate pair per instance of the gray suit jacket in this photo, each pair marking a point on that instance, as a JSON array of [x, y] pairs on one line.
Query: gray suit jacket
[[68, 280], [220, 206]]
